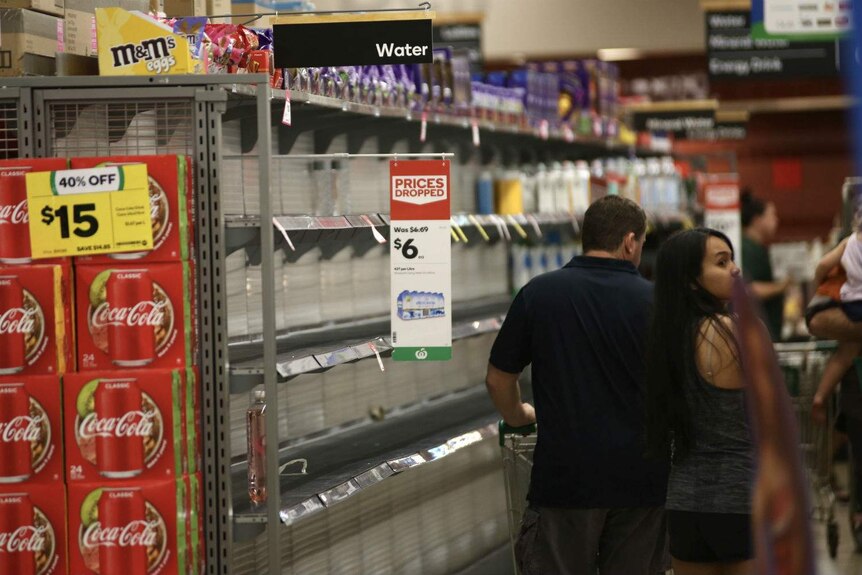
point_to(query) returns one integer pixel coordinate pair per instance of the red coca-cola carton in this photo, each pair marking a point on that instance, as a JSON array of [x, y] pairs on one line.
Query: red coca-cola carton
[[129, 528], [31, 433], [124, 425], [14, 215], [195, 529], [171, 207], [35, 320], [33, 529], [135, 316]]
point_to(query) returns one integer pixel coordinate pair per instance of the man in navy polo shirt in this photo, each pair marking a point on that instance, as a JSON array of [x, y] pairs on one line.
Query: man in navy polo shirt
[[595, 503]]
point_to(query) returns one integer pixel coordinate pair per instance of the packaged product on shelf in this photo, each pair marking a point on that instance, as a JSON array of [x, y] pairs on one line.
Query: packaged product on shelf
[[131, 316], [14, 216], [134, 44], [171, 207], [132, 527], [123, 425], [35, 320], [29, 42], [33, 529], [485, 193], [509, 194], [31, 434]]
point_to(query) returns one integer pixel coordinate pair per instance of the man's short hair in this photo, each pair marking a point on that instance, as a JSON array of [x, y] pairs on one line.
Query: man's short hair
[[750, 207], [609, 220]]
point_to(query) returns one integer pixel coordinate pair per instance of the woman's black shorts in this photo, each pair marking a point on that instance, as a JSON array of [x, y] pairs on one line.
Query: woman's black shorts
[[710, 537]]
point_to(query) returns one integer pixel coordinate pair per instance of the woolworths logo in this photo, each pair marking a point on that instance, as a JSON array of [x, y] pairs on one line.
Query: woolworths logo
[[147, 50]]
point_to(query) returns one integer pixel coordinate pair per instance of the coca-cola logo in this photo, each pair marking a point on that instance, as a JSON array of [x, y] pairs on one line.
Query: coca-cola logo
[[133, 534], [130, 424], [142, 314], [21, 428], [24, 539], [17, 320], [14, 214]]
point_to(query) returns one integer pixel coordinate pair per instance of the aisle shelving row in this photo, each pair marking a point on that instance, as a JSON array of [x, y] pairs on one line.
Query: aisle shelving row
[[341, 464], [244, 230], [314, 355], [321, 105], [318, 349]]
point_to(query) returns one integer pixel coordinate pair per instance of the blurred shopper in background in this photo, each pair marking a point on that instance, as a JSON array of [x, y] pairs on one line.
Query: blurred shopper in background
[[596, 504], [759, 226], [835, 314], [696, 416]]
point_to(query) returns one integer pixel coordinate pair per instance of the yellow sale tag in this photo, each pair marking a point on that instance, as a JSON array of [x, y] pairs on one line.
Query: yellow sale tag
[[92, 211]]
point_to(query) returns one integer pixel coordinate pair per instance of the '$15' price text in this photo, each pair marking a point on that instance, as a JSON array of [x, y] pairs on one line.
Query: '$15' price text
[[86, 224]]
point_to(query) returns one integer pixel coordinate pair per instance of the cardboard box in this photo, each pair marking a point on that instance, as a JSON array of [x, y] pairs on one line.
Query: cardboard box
[[128, 527], [171, 195], [132, 44], [34, 525], [125, 424], [135, 316], [184, 8], [31, 421], [36, 330], [80, 22], [29, 42], [53, 7], [14, 213]]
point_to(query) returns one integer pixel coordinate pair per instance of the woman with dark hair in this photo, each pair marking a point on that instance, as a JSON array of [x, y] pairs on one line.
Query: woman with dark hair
[[696, 412]]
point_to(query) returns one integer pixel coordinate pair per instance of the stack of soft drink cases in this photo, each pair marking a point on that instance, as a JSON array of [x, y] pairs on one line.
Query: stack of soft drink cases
[[99, 450]]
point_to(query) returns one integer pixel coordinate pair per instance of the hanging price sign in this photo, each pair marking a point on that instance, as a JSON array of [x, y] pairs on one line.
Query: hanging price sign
[[420, 252], [93, 211]]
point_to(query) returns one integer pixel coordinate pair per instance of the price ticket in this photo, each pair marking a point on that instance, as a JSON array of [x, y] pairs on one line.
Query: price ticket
[[93, 211], [420, 252]]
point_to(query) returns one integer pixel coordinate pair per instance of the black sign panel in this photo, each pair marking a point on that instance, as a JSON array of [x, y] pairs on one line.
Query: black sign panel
[[722, 131], [733, 54], [352, 43], [676, 122], [466, 37]]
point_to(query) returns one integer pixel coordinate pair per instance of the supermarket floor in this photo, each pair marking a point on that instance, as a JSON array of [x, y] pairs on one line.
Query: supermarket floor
[[846, 563]]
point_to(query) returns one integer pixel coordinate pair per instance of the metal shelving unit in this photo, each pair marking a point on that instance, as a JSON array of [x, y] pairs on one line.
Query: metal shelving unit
[[43, 117]]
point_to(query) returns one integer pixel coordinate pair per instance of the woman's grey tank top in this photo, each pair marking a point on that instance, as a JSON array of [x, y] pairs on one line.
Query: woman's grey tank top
[[718, 473]]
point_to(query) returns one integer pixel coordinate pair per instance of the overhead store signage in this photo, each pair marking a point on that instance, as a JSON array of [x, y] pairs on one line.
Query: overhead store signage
[[721, 200], [465, 36], [801, 19], [732, 53], [93, 211], [360, 40], [721, 131], [420, 249], [678, 122]]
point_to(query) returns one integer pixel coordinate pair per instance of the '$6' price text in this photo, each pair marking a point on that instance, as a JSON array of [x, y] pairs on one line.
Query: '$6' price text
[[408, 250], [85, 223]]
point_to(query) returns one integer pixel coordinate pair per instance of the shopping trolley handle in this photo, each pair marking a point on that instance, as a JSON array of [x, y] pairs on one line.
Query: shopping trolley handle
[[506, 429]]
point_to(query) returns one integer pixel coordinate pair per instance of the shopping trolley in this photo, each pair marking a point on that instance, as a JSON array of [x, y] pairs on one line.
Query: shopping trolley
[[802, 365], [517, 445]]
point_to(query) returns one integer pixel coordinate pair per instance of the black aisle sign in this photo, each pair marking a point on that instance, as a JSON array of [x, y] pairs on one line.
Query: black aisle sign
[[733, 54], [358, 43], [464, 36], [678, 122], [721, 131]]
